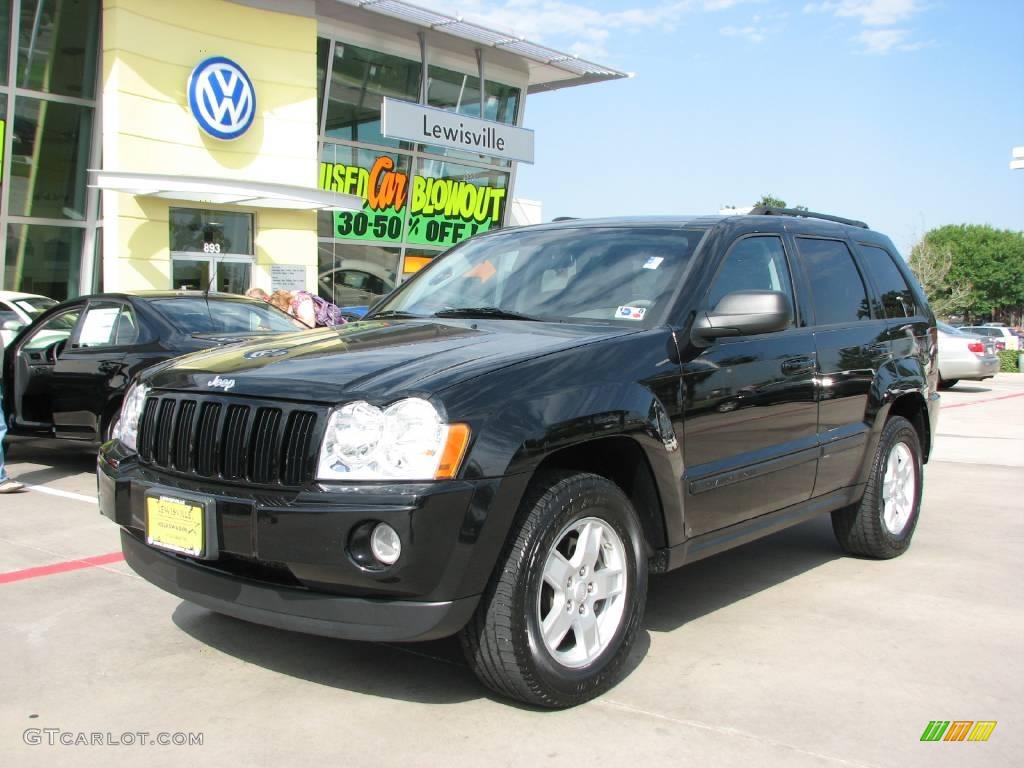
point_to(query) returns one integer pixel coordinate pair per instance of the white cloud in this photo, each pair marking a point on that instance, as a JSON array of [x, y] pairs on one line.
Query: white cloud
[[881, 16], [872, 13], [753, 34], [576, 27], [882, 41]]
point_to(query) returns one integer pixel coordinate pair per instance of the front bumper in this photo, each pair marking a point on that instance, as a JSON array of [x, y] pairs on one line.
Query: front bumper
[[282, 558], [296, 609]]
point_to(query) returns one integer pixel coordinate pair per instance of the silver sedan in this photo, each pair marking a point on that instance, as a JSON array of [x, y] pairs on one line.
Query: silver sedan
[[965, 356]]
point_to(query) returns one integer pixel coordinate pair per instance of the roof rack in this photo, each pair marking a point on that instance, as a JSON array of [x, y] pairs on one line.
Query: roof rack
[[764, 210]]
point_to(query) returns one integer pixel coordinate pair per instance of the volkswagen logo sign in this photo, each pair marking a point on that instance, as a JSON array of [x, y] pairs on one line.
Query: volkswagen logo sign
[[221, 98]]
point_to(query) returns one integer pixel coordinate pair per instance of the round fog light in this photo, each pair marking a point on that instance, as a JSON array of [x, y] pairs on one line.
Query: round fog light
[[385, 544]]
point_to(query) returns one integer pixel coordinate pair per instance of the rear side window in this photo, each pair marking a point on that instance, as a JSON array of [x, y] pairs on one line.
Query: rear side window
[[837, 289], [897, 300]]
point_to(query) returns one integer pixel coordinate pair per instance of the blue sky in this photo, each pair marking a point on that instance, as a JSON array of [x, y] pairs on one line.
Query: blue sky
[[902, 113]]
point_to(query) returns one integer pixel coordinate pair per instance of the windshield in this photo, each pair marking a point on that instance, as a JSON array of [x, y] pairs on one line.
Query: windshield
[[33, 307], [614, 275], [195, 315], [950, 329]]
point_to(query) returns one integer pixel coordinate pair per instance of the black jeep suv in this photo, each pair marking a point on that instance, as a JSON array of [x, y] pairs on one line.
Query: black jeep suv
[[514, 439]]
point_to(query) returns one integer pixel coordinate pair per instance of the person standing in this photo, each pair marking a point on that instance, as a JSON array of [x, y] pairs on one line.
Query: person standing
[[7, 485]]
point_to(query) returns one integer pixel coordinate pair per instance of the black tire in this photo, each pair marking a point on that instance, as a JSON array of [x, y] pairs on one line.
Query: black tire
[[861, 528], [947, 383], [503, 642]]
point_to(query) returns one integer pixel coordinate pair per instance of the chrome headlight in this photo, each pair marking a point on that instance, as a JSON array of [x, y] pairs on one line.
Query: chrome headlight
[[127, 428], [408, 440]]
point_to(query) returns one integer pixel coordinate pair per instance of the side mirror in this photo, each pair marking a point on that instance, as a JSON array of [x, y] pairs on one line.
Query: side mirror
[[744, 313], [12, 325]]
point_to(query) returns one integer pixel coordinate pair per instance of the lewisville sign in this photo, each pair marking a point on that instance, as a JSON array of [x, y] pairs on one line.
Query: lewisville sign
[[428, 125]]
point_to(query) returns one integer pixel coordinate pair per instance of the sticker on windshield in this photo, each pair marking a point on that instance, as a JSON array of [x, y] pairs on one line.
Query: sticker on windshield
[[653, 262], [631, 313]]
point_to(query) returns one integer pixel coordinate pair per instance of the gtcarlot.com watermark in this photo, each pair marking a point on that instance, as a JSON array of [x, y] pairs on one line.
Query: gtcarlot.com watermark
[[54, 737]]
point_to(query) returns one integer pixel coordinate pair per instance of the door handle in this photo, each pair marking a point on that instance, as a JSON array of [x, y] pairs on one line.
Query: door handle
[[795, 365]]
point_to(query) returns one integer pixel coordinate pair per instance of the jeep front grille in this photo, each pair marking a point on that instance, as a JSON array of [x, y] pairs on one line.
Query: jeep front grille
[[228, 439]]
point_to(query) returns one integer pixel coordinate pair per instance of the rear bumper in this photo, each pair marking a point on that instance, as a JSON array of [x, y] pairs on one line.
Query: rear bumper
[[978, 369], [296, 609]]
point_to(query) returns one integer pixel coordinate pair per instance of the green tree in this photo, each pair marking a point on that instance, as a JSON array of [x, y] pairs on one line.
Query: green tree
[[770, 201], [971, 269]]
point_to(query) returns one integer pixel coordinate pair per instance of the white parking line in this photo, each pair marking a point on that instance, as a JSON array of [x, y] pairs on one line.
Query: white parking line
[[65, 494]]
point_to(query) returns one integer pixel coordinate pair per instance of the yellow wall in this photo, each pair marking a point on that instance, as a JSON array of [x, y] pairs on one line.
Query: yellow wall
[[149, 51]]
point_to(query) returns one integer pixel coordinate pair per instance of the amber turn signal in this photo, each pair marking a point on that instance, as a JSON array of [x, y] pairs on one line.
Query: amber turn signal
[[454, 449]]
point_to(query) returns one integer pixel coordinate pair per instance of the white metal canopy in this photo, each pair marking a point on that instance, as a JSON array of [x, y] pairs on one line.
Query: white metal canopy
[[204, 189]]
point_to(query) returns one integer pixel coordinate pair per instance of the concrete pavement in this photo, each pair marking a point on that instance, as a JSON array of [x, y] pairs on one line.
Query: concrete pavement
[[782, 652]]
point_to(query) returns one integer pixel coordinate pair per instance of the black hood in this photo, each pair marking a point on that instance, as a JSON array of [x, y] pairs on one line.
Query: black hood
[[374, 360]]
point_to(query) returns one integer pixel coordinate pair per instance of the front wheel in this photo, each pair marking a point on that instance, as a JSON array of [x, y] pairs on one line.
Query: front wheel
[[883, 523], [947, 383], [560, 616]]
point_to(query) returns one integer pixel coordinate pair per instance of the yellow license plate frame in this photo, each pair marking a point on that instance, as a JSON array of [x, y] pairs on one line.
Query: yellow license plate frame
[[176, 524]]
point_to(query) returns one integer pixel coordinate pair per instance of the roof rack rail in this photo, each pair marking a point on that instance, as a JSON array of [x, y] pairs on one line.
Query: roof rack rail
[[764, 210]]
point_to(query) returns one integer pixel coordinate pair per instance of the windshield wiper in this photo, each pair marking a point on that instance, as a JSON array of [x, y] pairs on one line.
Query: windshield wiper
[[496, 312], [393, 313]]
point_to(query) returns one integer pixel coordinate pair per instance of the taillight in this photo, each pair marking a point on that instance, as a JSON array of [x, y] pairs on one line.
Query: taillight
[[1000, 346], [976, 346]]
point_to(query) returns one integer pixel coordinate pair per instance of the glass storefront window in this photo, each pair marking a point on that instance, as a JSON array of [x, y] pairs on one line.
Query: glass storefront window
[[417, 259], [323, 50], [380, 178], [3, 132], [5, 38], [360, 79], [454, 201], [49, 156], [57, 43], [460, 93], [43, 259], [213, 232], [501, 102], [355, 275], [453, 91]]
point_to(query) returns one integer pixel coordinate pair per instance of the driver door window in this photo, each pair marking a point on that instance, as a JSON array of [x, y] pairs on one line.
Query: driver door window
[[57, 329], [754, 263]]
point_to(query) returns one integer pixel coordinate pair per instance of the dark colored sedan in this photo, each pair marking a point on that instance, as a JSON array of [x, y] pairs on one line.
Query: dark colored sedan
[[66, 374]]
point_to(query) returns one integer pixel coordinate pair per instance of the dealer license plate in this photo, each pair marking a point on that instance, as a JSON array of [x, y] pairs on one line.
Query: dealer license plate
[[176, 524]]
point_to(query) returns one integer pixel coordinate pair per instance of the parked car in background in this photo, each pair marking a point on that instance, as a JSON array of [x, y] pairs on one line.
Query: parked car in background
[[18, 310], [65, 375], [356, 284], [965, 356], [1004, 337]]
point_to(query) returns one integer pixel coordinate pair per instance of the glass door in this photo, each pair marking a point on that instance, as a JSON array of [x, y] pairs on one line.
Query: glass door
[[189, 274], [211, 250]]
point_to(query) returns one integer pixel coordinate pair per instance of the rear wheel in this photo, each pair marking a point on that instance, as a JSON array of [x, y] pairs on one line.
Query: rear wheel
[[560, 616], [883, 523]]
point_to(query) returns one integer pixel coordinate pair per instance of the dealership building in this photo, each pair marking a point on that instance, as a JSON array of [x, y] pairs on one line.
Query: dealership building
[[332, 145]]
